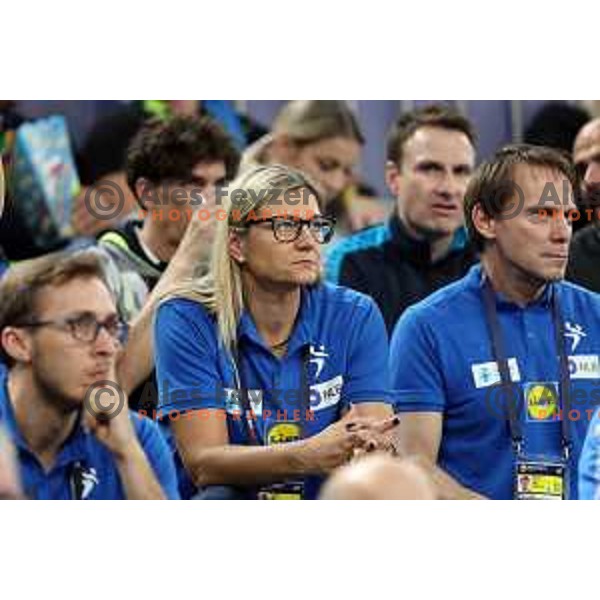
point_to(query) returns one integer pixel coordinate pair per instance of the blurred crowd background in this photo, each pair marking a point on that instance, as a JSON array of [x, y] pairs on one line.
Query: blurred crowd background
[[496, 121], [94, 135]]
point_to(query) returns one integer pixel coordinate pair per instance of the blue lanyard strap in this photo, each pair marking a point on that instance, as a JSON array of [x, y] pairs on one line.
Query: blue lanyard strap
[[509, 390], [565, 378], [248, 418]]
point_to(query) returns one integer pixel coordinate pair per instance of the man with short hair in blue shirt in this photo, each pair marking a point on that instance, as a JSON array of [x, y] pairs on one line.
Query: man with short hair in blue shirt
[[60, 336], [497, 375], [269, 379]]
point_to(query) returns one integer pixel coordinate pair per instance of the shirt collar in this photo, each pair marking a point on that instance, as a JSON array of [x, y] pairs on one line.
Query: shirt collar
[[545, 300], [142, 249], [420, 250], [301, 333], [74, 448]]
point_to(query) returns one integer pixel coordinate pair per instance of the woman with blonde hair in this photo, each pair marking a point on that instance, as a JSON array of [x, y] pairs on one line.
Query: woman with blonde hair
[[268, 377]]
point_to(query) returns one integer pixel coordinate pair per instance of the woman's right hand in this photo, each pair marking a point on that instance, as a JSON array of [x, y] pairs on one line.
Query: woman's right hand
[[333, 446]]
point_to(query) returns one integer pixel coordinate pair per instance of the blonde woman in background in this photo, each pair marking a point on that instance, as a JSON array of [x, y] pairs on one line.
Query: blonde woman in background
[[269, 378], [323, 139]]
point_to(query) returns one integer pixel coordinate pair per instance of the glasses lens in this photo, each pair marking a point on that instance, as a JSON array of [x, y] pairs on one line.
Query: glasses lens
[[322, 230], [84, 328], [286, 230]]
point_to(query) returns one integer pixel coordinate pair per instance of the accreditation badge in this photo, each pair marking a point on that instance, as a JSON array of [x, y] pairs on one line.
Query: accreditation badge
[[283, 433], [540, 480]]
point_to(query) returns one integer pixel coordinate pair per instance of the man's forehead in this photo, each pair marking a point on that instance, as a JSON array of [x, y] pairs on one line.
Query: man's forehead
[[542, 184], [440, 143], [88, 294], [526, 174], [204, 169]]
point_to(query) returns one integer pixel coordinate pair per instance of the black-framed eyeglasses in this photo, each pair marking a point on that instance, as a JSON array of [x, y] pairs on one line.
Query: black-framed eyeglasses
[[288, 229], [85, 327]]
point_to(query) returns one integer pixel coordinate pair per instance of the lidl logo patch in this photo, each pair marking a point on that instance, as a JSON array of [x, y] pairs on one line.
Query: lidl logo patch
[[541, 399], [283, 433]]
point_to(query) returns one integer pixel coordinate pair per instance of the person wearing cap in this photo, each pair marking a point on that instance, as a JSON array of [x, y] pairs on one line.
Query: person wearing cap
[[269, 378], [496, 376], [59, 401]]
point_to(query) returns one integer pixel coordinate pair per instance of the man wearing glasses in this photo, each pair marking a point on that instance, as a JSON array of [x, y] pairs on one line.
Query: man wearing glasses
[[268, 378], [75, 439]]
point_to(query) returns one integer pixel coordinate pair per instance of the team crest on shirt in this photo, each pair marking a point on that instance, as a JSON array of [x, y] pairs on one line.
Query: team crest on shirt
[[317, 357], [575, 333], [90, 481], [83, 481]]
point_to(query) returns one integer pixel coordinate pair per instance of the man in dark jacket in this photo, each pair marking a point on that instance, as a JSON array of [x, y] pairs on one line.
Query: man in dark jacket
[[430, 157]]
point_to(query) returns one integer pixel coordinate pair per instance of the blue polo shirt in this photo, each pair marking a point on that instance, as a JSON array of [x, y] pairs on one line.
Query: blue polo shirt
[[441, 360], [84, 457], [339, 337]]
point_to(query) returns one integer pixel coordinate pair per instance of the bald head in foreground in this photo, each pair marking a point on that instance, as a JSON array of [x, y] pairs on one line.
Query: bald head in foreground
[[379, 477]]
